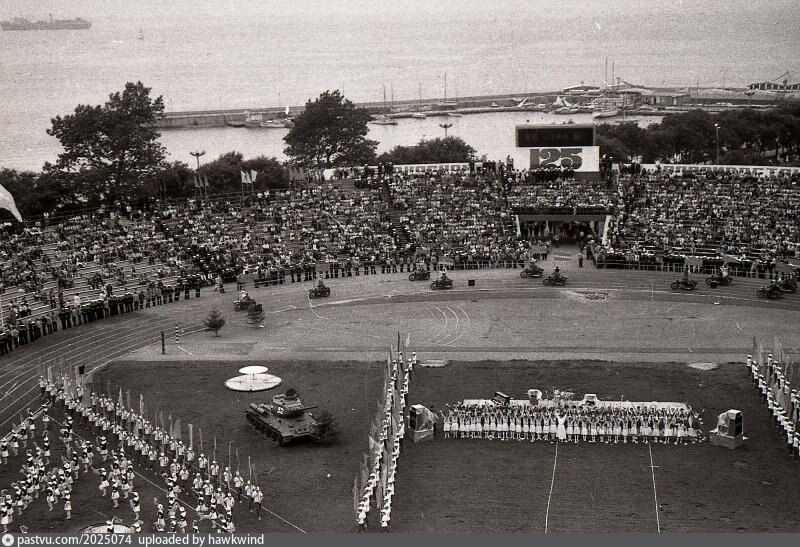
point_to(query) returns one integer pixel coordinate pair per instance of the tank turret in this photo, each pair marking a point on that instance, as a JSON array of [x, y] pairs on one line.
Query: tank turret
[[284, 419]]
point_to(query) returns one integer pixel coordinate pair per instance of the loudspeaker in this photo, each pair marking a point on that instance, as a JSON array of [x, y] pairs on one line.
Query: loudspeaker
[[414, 413], [470, 282]]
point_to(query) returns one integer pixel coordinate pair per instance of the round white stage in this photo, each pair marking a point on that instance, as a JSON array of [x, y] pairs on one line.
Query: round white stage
[[253, 378]]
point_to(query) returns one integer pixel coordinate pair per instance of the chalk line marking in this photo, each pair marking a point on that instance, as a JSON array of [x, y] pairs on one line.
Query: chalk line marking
[[552, 483], [186, 351], [655, 493]]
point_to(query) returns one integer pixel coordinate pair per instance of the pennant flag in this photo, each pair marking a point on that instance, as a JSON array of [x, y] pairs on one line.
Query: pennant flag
[[7, 202], [128, 399], [356, 494], [253, 175], [171, 427], [141, 404], [373, 446], [205, 182], [119, 399], [178, 429], [196, 178], [244, 177], [200, 434], [191, 445]]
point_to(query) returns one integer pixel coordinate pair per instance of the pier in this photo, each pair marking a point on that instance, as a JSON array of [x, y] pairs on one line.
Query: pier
[[681, 100]]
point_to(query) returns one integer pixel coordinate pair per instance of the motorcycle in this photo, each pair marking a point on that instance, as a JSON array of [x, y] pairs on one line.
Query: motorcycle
[[442, 284], [319, 292], [788, 285], [531, 271], [419, 275], [683, 285], [721, 281], [772, 291], [243, 304], [558, 281]]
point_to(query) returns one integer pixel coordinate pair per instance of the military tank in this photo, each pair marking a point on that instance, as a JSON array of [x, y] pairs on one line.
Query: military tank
[[284, 419]]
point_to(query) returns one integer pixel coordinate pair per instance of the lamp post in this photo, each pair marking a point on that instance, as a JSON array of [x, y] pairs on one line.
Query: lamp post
[[445, 126], [197, 154], [716, 126]]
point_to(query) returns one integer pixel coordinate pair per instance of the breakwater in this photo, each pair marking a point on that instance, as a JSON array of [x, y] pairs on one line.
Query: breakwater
[[512, 102]]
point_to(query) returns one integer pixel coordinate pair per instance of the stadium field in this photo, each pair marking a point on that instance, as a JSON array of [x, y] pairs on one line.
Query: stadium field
[[616, 334]]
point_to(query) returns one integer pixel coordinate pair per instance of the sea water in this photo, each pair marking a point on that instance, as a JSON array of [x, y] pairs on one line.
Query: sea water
[[244, 54]]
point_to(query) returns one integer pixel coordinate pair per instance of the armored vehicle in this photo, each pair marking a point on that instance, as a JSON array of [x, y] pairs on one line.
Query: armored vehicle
[[284, 419]]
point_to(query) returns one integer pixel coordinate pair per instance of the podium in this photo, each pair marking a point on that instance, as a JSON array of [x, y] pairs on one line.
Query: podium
[[729, 431]]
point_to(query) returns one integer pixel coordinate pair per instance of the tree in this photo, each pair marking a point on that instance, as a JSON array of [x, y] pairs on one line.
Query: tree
[[272, 174], [111, 151], [447, 150], [330, 132], [224, 173], [214, 321], [255, 315]]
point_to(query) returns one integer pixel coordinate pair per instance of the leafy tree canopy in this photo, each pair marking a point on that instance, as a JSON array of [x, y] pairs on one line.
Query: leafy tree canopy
[[224, 173], [447, 150], [111, 151], [749, 136], [331, 132]]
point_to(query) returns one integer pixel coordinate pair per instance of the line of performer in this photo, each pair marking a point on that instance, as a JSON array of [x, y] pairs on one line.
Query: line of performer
[[574, 424]]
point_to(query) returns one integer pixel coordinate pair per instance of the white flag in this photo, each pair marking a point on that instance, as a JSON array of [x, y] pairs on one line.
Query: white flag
[[253, 175], [244, 177], [7, 202]]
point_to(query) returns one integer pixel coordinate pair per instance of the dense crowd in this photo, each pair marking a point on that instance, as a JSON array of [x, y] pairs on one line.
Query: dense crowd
[[748, 222], [389, 224]]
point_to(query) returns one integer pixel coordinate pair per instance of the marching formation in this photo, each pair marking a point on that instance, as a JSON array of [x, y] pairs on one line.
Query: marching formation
[[574, 422], [122, 440], [379, 465], [774, 381]]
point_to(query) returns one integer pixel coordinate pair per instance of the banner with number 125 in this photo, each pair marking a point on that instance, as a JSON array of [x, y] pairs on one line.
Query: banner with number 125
[[585, 159]]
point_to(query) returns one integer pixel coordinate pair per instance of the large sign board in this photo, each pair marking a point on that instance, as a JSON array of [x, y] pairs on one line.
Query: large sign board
[[753, 170], [563, 146], [579, 158], [530, 136]]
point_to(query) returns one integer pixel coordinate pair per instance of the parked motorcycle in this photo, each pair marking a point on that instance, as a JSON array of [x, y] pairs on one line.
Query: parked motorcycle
[[531, 271], [243, 304], [419, 275], [552, 280], [680, 284], [772, 291], [721, 281], [319, 292], [442, 284]]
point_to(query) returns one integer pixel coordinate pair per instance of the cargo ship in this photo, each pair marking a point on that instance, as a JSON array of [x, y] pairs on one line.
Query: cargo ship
[[20, 23]]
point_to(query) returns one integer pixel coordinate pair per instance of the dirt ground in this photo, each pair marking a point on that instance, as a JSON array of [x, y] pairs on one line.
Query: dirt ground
[[505, 335], [491, 486]]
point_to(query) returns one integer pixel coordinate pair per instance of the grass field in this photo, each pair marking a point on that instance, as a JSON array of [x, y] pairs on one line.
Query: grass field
[[491, 486]]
